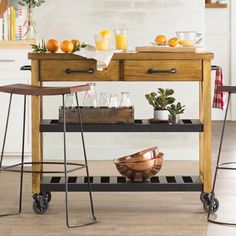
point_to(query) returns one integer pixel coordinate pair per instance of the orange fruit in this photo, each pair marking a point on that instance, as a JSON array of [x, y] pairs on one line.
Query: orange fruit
[[173, 42], [52, 45], [75, 42], [160, 39], [67, 46]]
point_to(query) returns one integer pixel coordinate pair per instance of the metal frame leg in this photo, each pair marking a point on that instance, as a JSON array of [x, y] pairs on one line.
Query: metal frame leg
[[22, 152], [6, 127], [86, 162], [65, 169], [22, 155], [217, 167]]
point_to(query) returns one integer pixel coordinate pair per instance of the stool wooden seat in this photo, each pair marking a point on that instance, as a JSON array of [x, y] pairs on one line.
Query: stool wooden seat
[[26, 89], [41, 200], [229, 89]]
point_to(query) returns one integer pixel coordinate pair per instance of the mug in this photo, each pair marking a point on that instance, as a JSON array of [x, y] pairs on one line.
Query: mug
[[189, 38]]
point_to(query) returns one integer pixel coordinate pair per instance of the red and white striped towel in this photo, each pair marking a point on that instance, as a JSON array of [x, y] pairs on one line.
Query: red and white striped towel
[[219, 96]]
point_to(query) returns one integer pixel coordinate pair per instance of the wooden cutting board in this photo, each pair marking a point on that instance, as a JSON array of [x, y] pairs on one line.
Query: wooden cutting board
[[168, 49]]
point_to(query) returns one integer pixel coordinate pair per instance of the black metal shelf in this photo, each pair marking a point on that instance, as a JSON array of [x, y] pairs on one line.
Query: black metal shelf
[[186, 125], [119, 183]]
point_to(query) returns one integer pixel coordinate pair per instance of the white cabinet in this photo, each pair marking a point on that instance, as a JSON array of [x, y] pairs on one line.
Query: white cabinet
[[10, 62]]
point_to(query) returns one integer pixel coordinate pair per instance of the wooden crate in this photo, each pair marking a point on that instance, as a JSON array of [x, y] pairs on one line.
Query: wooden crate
[[98, 115]]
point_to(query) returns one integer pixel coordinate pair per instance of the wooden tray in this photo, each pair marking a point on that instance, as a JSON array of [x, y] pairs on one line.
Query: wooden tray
[[98, 115], [169, 49]]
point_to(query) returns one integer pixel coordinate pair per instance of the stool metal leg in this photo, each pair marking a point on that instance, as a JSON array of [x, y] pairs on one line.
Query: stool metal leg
[[22, 155], [85, 159], [217, 168], [22, 152], [5, 133], [66, 178]]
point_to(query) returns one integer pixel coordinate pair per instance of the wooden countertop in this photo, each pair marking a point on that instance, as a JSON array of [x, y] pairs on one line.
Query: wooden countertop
[[124, 56]]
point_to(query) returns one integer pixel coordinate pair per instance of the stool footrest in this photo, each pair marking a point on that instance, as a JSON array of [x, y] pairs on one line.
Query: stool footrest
[[221, 222], [226, 165], [22, 164]]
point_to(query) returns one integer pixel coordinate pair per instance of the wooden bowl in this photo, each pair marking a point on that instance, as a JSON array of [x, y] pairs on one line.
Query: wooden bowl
[[140, 166]]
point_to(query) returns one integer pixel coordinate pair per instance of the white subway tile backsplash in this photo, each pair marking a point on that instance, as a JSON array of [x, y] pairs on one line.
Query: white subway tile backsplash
[[143, 18], [133, 16], [118, 4], [154, 4]]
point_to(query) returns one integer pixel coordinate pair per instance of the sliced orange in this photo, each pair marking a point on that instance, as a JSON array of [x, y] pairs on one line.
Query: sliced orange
[[105, 33], [161, 39], [173, 42]]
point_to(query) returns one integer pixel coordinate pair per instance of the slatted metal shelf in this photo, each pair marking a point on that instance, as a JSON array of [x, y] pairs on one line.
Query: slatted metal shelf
[[185, 125], [119, 183]]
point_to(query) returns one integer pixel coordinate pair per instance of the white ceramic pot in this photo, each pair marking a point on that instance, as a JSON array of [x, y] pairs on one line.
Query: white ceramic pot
[[162, 115]]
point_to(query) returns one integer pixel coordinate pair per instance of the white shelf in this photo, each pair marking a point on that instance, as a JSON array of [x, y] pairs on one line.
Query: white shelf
[[16, 44]]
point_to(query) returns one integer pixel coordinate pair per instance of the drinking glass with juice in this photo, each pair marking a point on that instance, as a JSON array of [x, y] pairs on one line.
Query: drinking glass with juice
[[101, 43], [121, 39]]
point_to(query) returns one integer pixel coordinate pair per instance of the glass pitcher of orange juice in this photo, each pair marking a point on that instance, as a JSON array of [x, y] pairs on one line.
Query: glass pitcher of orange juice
[[121, 39]]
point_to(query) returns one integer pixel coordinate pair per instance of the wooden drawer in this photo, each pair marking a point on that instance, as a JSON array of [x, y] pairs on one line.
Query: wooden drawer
[[163, 70], [77, 70]]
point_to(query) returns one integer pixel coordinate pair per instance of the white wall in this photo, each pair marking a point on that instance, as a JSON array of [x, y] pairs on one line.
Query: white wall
[[233, 56], [218, 33], [144, 19]]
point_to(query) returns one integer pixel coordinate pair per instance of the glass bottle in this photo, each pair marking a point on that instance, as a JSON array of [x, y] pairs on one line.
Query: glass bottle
[[70, 101], [125, 100], [90, 97], [113, 102], [103, 100]]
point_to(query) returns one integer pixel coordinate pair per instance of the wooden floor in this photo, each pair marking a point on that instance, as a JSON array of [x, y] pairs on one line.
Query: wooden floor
[[124, 213]]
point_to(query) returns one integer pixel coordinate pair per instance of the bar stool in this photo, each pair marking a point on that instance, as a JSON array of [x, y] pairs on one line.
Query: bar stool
[[42, 202], [211, 202]]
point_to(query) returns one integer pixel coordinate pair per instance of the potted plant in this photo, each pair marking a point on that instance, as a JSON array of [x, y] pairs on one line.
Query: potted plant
[[160, 101], [175, 110]]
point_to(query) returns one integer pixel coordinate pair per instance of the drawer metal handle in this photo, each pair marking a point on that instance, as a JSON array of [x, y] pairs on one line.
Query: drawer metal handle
[[88, 71], [171, 71], [26, 67]]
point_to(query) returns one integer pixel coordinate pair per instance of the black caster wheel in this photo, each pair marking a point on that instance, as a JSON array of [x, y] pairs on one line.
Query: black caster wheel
[[40, 204], [204, 197], [47, 195], [211, 205]]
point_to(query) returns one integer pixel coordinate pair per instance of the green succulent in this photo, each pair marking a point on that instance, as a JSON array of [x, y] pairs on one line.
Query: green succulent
[[176, 109], [161, 99]]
